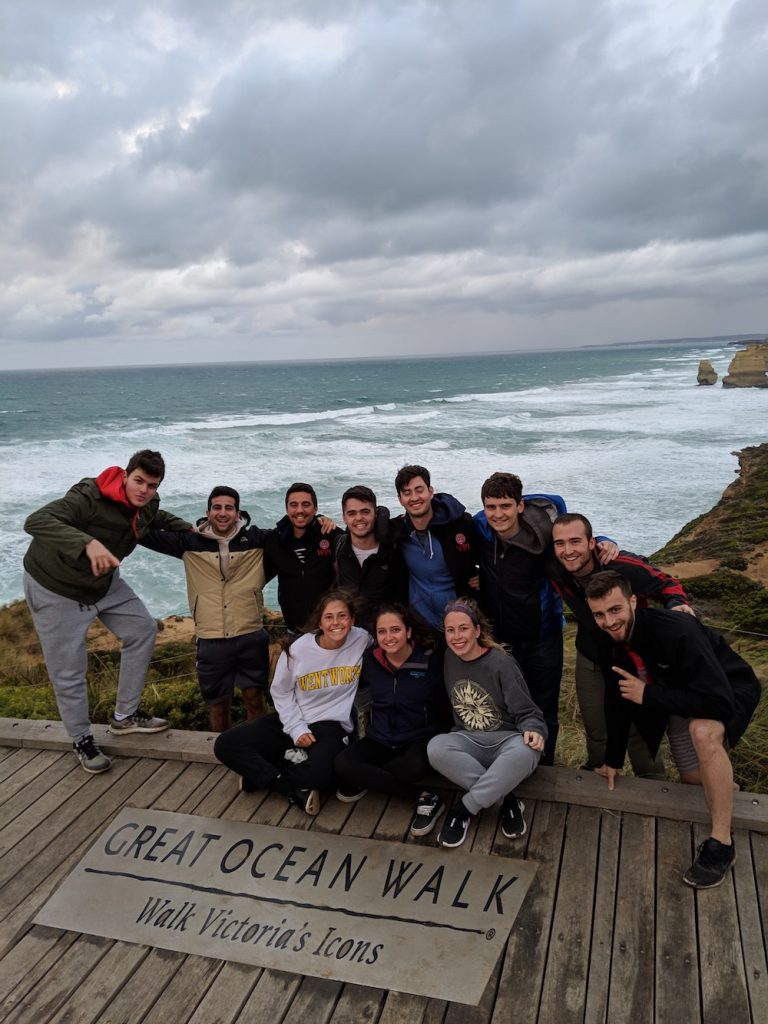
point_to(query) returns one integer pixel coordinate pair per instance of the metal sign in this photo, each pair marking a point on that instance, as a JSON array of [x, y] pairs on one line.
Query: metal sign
[[397, 916]]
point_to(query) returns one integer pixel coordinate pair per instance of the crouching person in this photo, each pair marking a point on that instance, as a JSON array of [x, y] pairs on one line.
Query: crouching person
[[313, 690], [499, 732]]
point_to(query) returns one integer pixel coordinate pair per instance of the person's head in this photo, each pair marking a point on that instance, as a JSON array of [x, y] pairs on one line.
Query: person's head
[[300, 505], [333, 617], [573, 543], [612, 603], [358, 509], [414, 491], [393, 627], [142, 477], [223, 509], [502, 497], [467, 631]]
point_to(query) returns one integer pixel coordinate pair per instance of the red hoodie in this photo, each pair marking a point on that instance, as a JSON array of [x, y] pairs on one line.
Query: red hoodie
[[111, 483]]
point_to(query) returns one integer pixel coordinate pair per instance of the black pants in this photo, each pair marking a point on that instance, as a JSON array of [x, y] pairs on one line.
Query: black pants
[[541, 662], [372, 765], [256, 750]]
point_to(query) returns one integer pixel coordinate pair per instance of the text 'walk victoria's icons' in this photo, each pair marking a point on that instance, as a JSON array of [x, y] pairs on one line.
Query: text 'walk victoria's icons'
[[400, 917]]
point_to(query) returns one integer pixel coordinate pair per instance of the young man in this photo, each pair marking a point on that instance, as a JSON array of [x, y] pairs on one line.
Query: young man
[[515, 534], [362, 552], [300, 553], [72, 577], [224, 566], [433, 546], [671, 672], [570, 569]]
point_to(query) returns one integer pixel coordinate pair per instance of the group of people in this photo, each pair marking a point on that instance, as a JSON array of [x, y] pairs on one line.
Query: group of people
[[444, 627]]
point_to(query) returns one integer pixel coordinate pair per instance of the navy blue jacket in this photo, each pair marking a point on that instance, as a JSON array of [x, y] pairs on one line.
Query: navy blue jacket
[[408, 703]]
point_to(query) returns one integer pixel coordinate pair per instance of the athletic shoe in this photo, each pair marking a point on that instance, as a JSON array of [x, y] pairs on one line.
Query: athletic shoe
[[350, 794], [245, 786], [307, 799], [713, 861], [512, 821], [455, 827], [427, 812], [139, 721], [91, 758]]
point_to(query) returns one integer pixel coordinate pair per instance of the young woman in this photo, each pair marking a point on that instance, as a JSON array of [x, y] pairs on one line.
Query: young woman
[[499, 732], [313, 690], [405, 682]]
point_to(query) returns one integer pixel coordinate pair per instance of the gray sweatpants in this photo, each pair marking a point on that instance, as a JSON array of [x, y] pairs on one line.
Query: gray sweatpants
[[62, 626], [488, 765]]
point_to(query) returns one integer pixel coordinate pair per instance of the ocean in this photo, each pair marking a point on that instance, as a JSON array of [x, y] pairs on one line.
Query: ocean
[[623, 433]]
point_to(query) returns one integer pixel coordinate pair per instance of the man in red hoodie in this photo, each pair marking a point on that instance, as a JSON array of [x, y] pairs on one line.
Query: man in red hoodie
[[72, 577]]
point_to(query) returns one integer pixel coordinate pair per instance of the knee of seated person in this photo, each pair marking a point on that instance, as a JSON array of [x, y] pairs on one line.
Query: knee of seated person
[[705, 733]]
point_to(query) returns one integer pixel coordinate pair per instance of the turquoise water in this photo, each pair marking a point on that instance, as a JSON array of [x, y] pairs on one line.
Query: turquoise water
[[623, 433]]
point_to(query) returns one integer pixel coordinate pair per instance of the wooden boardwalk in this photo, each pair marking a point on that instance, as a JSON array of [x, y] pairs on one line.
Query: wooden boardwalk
[[608, 932]]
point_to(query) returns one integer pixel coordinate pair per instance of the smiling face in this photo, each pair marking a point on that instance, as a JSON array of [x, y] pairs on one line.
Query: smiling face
[[461, 635], [335, 623], [359, 518], [222, 514], [393, 636], [301, 509], [573, 548], [140, 487], [416, 499], [502, 515], [615, 613]]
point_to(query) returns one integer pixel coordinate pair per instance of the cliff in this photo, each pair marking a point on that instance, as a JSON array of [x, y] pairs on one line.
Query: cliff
[[748, 368]]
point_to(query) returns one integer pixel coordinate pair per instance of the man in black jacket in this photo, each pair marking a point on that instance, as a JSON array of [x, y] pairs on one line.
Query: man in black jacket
[[671, 672], [362, 552], [570, 569], [300, 553]]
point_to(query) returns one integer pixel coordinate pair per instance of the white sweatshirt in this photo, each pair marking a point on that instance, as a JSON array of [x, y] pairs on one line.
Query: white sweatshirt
[[316, 685]]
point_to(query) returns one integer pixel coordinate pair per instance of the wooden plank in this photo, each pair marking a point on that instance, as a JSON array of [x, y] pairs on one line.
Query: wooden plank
[[400, 1008], [179, 998], [630, 998], [599, 968], [723, 983], [315, 1001], [25, 787], [28, 961], [142, 990], [563, 997], [52, 990], [97, 988], [750, 928], [271, 997], [173, 744], [523, 963], [759, 846], [17, 759], [226, 995], [677, 965], [357, 1003]]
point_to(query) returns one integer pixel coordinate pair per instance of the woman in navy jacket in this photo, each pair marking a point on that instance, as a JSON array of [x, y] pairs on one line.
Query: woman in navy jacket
[[408, 707]]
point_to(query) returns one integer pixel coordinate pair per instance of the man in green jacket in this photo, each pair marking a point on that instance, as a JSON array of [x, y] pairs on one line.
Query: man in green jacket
[[72, 577]]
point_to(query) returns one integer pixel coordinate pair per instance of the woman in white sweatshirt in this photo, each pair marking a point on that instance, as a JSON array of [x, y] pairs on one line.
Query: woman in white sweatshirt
[[313, 690]]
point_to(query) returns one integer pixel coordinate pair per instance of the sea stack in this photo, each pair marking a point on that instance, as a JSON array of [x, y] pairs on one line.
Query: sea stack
[[748, 368], [707, 373]]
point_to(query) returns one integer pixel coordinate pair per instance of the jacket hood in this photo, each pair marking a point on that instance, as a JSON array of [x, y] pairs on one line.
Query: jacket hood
[[111, 485], [536, 518], [206, 529], [445, 509]]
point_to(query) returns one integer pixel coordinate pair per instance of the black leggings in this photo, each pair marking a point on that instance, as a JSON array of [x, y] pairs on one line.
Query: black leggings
[[256, 750], [395, 770]]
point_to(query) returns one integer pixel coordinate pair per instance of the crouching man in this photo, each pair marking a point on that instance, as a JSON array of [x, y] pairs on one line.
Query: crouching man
[[671, 672], [72, 576]]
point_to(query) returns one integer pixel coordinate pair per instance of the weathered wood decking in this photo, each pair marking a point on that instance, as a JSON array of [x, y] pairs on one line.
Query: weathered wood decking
[[608, 932]]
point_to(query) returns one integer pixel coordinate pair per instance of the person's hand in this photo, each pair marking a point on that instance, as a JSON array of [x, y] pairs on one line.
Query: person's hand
[[102, 560], [684, 608], [608, 773], [474, 581], [631, 687], [327, 525], [534, 740], [607, 550], [305, 740]]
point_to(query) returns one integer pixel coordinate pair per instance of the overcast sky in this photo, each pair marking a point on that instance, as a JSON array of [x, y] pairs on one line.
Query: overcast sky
[[212, 180]]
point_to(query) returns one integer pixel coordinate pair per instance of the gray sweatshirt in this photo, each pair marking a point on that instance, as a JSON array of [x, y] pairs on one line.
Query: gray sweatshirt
[[489, 694]]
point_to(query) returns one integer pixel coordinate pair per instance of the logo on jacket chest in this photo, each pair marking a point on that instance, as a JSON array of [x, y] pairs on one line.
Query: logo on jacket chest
[[462, 544], [324, 549]]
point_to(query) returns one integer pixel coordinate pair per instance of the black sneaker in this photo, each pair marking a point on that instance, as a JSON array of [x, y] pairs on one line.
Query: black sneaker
[[512, 821], [455, 827], [245, 785], [307, 799], [139, 721], [428, 810], [350, 794], [713, 861], [93, 760]]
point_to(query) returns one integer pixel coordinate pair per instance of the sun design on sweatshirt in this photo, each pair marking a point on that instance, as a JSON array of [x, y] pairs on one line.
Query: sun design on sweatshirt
[[474, 706]]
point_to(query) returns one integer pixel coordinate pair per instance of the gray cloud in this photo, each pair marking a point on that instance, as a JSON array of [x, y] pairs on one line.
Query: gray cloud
[[194, 173]]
